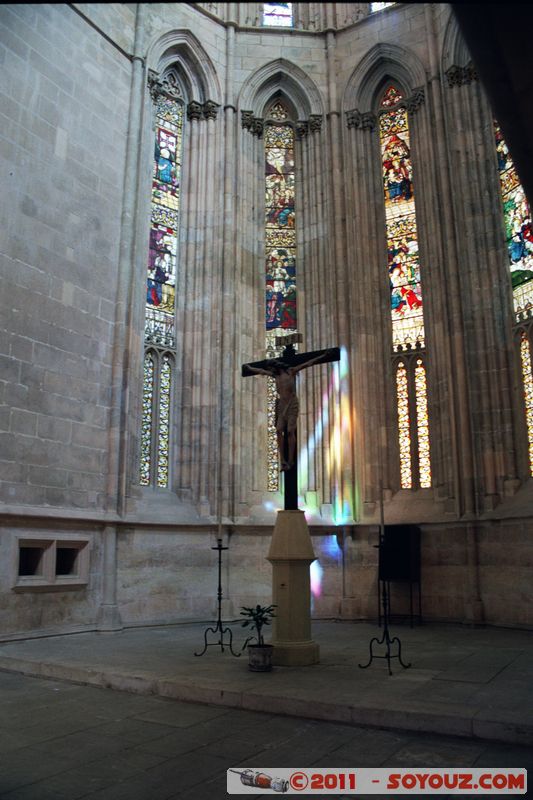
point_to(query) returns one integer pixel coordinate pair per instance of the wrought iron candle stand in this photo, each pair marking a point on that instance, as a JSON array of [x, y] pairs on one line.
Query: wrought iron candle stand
[[219, 626], [385, 639]]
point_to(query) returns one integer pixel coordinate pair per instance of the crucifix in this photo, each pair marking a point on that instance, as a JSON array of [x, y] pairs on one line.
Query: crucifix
[[284, 370]]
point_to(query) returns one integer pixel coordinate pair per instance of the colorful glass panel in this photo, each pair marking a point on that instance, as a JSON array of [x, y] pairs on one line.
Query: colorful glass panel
[[391, 97], [404, 426], [280, 258], [527, 376], [164, 422], [402, 238], [422, 425], [518, 230], [161, 279], [277, 14], [146, 421]]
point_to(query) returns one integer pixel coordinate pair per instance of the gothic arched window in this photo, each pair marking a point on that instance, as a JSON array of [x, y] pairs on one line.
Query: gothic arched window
[[519, 238], [408, 338], [278, 15], [280, 254], [160, 325], [379, 6]]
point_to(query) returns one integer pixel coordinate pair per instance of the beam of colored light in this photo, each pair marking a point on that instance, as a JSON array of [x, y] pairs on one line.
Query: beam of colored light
[[335, 405], [316, 573], [338, 419], [331, 547], [340, 445]]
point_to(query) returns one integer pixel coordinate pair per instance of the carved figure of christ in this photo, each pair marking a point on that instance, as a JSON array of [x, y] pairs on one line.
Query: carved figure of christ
[[284, 371]]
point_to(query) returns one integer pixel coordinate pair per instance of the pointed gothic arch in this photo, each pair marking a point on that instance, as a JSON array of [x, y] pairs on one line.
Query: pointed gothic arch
[[384, 61], [283, 75], [182, 50], [454, 50]]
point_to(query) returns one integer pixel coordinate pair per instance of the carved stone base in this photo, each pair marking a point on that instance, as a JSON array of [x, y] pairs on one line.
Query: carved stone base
[[291, 553], [109, 619]]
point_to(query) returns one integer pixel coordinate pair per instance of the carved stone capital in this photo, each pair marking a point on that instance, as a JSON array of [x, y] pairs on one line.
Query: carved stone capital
[[368, 121], [470, 73], [454, 76], [247, 119], [315, 123], [257, 127], [153, 81], [166, 86], [301, 129], [210, 109], [458, 76], [414, 102], [194, 110], [253, 124], [353, 118]]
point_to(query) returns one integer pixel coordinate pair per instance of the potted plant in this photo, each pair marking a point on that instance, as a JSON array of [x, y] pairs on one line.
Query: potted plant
[[259, 654]]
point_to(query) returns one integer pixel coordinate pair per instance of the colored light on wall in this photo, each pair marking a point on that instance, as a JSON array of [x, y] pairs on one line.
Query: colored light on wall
[[337, 417], [316, 573]]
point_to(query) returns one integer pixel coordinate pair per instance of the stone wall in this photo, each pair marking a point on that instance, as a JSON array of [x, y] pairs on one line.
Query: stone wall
[[65, 94], [76, 146]]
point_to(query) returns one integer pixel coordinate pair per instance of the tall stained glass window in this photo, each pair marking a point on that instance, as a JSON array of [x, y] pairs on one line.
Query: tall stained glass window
[[280, 254], [277, 14], [160, 326], [518, 231], [527, 377], [519, 237], [405, 290]]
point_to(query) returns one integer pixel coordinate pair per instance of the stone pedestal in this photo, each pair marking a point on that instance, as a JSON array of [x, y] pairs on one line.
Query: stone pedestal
[[291, 553]]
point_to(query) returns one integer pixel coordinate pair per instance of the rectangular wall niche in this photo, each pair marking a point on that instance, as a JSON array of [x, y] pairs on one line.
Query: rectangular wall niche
[[51, 564]]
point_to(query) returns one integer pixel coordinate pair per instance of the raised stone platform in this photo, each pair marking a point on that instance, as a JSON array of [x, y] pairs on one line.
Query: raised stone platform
[[470, 682]]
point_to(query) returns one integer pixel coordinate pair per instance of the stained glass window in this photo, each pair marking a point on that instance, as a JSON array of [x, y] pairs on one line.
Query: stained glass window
[[280, 255], [277, 14], [519, 238], [422, 424], [379, 6], [519, 234], [147, 418], [160, 325], [404, 426], [527, 376], [405, 290], [402, 238], [161, 280], [164, 421]]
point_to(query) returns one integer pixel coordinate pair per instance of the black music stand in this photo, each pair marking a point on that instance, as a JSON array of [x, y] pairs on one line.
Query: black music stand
[[399, 561]]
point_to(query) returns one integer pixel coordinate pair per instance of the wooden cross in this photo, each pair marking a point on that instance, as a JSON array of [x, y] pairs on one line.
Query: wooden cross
[[290, 359]]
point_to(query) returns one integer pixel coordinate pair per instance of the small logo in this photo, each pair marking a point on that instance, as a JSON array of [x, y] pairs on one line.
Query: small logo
[[260, 780]]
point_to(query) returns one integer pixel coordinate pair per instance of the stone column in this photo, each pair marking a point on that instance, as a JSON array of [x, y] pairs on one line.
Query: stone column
[[213, 317], [370, 327], [108, 614], [311, 313], [249, 307], [341, 476], [227, 340], [485, 287], [186, 323], [125, 337]]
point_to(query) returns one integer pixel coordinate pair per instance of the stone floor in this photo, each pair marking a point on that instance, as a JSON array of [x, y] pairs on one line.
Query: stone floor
[[467, 700], [62, 741]]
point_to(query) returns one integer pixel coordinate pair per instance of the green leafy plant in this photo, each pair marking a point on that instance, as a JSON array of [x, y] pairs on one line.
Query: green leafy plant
[[257, 617]]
